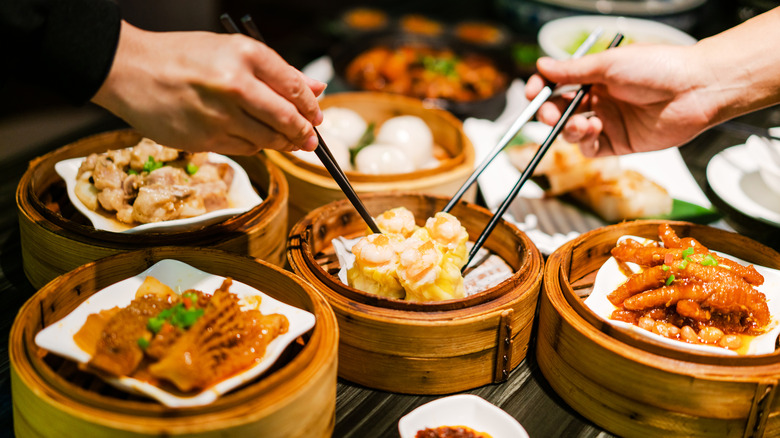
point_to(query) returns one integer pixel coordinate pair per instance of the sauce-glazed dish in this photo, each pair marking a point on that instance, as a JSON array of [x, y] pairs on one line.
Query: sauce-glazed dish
[[152, 188], [166, 333]]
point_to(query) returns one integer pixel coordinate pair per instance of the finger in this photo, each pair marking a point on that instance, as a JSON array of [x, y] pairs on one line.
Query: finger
[[314, 85], [588, 69], [288, 82], [576, 129], [265, 105], [589, 144], [259, 134], [549, 113], [533, 86]]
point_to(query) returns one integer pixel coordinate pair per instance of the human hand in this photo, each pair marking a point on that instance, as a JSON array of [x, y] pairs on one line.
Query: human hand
[[203, 91], [644, 98]]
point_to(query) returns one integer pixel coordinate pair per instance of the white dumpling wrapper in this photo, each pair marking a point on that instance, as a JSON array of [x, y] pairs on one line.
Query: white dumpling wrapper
[[412, 135], [383, 159], [343, 123], [337, 147]]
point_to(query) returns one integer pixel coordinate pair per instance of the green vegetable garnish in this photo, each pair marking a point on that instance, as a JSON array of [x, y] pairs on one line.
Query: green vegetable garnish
[[683, 264], [664, 268], [670, 280], [442, 66], [191, 168], [132, 172], [143, 343], [178, 316], [151, 164], [687, 253], [366, 139], [709, 260]]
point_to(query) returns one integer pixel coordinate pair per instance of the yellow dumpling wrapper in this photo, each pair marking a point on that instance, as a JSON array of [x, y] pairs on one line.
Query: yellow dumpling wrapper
[[427, 273], [447, 231], [398, 220], [375, 266]]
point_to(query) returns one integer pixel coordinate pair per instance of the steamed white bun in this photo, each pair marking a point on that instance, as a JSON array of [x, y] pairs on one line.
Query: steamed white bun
[[382, 159], [343, 123], [337, 147], [412, 135]]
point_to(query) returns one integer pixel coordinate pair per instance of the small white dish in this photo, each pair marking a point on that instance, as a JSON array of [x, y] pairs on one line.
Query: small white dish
[[58, 337], [733, 175], [461, 410], [610, 276], [241, 196], [766, 152], [558, 36]]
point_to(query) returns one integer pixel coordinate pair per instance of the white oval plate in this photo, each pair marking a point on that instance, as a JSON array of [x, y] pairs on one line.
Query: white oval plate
[[241, 196], [58, 337], [609, 277], [556, 36], [734, 176], [462, 410]]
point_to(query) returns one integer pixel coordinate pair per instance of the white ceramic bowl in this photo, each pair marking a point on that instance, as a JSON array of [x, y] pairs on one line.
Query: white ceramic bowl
[[461, 410], [766, 152], [559, 38]]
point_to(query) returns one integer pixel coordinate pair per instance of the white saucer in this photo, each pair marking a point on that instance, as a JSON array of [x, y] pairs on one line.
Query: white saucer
[[733, 176]]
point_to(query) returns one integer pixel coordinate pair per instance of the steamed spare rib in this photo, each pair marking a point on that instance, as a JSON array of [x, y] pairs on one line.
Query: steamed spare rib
[[684, 291], [190, 341], [151, 183]]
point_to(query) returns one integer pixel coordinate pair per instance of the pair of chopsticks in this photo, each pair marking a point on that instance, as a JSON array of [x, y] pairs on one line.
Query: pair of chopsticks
[[520, 121], [534, 162], [322, 151]]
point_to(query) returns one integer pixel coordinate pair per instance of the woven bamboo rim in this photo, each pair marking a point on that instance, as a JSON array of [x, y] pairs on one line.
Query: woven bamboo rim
[[634, 387], [56, 238], [51, 397], [440, 347], [311, 186]]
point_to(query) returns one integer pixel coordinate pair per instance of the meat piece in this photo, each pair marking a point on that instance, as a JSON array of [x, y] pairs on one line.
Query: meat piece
[[651, 278], [112, 199], [642, 255], [159, 203], [166, 175], [147, 148], [213, 195], [741, 299], [667, 296], [692, 309], [107, 175]]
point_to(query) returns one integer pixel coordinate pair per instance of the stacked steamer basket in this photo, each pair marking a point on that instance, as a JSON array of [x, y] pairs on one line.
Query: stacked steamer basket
[[311, 186], [51, 397], [56, 238], [429, 347], [635, 387]]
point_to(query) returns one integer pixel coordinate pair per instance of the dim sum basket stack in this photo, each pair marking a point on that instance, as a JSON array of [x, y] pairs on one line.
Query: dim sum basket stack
[[56, 238], [296, 397], [311, 186], [429, 347], [633, 386]]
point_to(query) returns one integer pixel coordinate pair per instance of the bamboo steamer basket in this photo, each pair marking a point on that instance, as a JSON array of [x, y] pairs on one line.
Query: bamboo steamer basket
[[51, 397], [422, 348], [311, 186], [56, 238], [632, 386]]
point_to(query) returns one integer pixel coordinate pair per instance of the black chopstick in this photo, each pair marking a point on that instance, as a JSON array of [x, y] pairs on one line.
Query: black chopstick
[[322, 151], [534, 162]]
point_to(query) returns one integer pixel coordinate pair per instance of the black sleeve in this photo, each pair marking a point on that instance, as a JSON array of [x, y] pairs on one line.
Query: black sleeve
[[66, 46]]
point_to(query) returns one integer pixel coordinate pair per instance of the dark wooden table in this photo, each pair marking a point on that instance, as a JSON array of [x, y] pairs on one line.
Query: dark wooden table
[[361, 412]]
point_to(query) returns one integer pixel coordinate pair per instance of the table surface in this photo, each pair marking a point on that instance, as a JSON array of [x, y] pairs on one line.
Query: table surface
[[362, 412]]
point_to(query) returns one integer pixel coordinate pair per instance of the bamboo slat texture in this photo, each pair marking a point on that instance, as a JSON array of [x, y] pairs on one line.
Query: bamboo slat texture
[[52, 397], [634, 387], [312, 187], [422, 348], [56, 238]]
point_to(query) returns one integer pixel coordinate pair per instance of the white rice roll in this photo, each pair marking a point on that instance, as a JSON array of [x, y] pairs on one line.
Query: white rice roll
[[343, 123], [383, 159], [412, 135], [337, 147]]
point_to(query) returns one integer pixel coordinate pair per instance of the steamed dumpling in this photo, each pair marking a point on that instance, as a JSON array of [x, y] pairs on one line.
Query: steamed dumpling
[[375, 266], [399, 220], [382, 159], [427, 273], [343, 123], [412, 135], [337, 147]]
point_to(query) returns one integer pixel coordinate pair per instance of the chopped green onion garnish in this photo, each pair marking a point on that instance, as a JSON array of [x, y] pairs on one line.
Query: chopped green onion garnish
[[664, 268], [670, 280], [132, 172], [191, 168], [709, 260], [155, 324], [683, 264], [151, 164], [143, 343], [687, 252]]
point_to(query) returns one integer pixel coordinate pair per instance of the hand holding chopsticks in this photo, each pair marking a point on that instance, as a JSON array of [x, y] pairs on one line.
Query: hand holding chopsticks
[[322, 151], [534, 162]]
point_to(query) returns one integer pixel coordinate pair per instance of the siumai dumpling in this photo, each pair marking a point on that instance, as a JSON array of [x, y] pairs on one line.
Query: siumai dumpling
[[375, 265], [398, 220], [427, 272]]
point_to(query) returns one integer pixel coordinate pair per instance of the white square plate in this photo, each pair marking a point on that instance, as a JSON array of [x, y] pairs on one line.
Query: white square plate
[[241, 196], [58, 337], [609, 277], [461, 410]]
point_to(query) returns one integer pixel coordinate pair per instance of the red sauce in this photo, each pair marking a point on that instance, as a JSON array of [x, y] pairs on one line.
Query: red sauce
[[450, 432]]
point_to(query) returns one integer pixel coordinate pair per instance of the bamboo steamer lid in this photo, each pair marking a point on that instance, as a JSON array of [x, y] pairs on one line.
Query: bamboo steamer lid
[[311, 186], [632, 386], [51, 397], [56, 238], [422, 348]]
